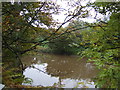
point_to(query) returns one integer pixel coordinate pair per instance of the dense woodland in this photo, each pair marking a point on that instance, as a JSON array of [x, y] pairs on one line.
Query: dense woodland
[[30, 26]]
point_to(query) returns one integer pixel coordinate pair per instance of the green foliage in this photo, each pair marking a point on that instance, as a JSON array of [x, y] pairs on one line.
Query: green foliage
[[104, 7], [24, 24], [109, 77], [28, 24], [12, 76], [69, 40], [62, 45], [28, 80], [104, 50]]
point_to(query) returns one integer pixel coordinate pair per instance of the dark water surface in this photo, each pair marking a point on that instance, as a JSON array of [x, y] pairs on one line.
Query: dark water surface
[[59, 70]]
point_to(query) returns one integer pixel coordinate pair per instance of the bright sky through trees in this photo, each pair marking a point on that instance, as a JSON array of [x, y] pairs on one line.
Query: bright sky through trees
[[97, 41], [65, 7]]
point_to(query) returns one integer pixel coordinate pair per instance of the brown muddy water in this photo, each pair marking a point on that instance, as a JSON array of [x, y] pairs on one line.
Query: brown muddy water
[[59, 71]]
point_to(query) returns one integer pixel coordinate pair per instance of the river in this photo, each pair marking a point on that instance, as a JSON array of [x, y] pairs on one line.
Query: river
[[59, 71]]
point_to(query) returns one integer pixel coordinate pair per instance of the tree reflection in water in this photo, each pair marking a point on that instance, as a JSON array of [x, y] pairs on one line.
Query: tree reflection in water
[[59, 71]]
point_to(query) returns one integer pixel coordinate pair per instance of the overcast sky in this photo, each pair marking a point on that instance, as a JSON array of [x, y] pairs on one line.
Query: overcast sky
[[63, 3]]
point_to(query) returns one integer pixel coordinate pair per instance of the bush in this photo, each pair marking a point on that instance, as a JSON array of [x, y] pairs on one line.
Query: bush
[[62, 45]]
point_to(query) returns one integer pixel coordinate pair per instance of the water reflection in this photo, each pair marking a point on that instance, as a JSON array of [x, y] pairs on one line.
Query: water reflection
[[59, 70], [40, 78]]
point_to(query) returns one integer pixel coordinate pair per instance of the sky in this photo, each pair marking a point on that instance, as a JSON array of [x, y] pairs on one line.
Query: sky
[[65, 7], [63, 3]]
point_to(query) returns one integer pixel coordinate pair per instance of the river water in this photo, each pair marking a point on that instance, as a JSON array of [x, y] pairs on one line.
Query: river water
[[59, 71]]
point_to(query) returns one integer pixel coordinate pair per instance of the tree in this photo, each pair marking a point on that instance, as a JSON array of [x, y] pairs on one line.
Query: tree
[[25, 26], [19, 20], [63, 44], [104, 47], [70, 39]]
